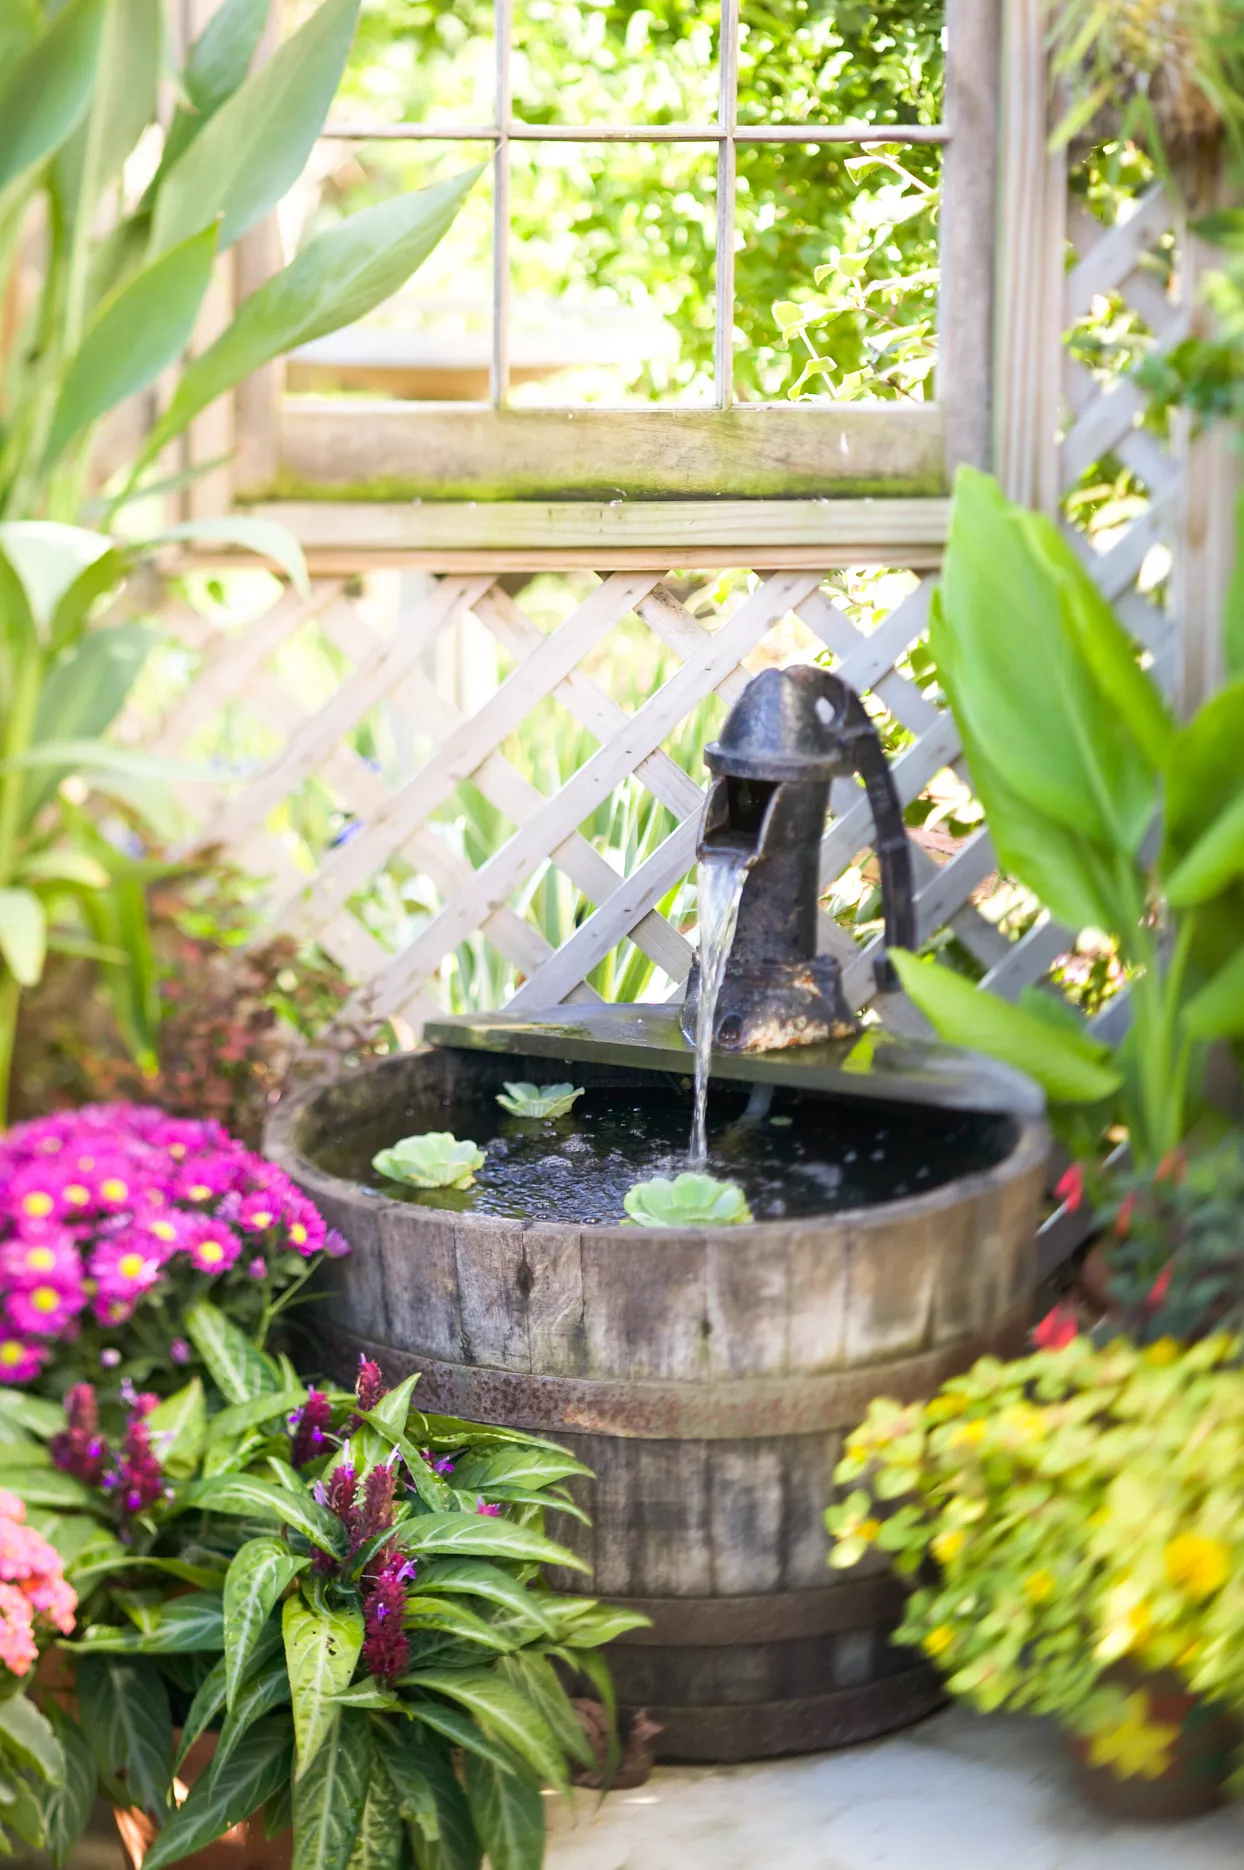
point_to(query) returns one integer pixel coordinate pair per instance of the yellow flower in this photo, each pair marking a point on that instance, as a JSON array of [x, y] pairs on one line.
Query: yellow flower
[[938, 1640], [1162, 1351], [1133, 1746], [942, 1408], [968, 1434], [868, 1529], [1196, 1565], [948, 1545], [1039, 1586]]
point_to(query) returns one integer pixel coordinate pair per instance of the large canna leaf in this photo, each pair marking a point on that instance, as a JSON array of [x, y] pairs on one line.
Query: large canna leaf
[[49, 558], [218, 63], [1021, 688], [1217, 1011], [23, 935], [83, 695], [1069, 1070], [1103, 642], [321, 1649], [338, 278], [1233, 609], [45, 93], [136, 332], [1214, 861], [123, 103], [1204, 772], [256, 145]]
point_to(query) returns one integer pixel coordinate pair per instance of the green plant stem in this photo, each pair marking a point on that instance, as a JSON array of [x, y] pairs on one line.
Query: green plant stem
[[10, 1000], [274, 1307]]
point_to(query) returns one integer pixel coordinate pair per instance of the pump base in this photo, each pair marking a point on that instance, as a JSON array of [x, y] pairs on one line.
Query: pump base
[[768, 1009]]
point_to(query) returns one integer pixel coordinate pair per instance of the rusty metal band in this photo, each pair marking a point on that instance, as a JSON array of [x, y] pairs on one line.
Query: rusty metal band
[[810, 1724], [744, 1409], [777, 1617]]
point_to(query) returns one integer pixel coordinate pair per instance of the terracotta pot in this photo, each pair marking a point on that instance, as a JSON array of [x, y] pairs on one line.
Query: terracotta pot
[[1201, 1758], [243, 1847]]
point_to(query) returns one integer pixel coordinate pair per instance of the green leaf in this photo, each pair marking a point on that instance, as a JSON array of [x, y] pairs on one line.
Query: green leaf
[[77, 868], [29, 1736], [256, 1769], [396, 1756], [22, 1812], [321, 1649], [455, 1725], [124, 1712], [446, 1613], [1215, 860], [1217, 1011], [239, 1371], [267, 538], [68, 1804], [338, 278], [190, 1625], [508, 1813], [538, 1101], [177, 1427], [1069, 1070], [21, 1412], [271, 1406], [435, 1159], [1233, 609], [393, 1409], [257, 1696], [44, 94], [49, 558], [585, 1624], [141, 328], [378, 1844], [533, 1675], [23, 935], [209, 1699], [123, 103], [1204, 772], [260, 1572], [456, 1846], [1021, 687], [479, 1535], [474, 1577], [501, 1711], [329, 1796], [247, 1495], [50, 1489], [221, 55], [256, 145]]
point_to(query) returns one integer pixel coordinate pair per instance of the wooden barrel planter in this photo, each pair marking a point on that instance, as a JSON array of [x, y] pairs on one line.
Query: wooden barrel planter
[[707, 1377]]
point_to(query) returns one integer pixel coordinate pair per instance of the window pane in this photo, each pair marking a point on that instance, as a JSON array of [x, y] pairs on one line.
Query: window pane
[[432, 341], [616, 62], [835, 272], [432, 61], [834, 61], [612, 271]]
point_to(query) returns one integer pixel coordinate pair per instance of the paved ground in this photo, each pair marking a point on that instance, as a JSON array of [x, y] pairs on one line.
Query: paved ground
[[956, 1793]]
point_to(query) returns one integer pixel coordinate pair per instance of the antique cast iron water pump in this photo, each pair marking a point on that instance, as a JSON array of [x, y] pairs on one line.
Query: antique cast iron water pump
[[789, 735]]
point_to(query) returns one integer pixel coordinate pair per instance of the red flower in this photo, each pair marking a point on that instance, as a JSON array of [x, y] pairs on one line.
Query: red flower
[[1070, 1187], [1123, 1219], [1160, 1287], [1173, 1166], [1057, 1328]]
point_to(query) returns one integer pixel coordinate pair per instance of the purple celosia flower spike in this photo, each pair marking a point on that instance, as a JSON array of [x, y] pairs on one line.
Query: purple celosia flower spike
[[310, 1428], [80, 1449], [385, 1646]]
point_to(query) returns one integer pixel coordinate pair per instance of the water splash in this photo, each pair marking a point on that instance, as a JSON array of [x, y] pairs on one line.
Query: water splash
[[719, 891]]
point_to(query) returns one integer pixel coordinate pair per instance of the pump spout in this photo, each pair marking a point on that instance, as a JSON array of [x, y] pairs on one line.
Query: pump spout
[[790, 734]]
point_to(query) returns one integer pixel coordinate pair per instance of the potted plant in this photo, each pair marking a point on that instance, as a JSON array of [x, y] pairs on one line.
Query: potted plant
[[344, 1591], [1076, 757], [1071, 1528]]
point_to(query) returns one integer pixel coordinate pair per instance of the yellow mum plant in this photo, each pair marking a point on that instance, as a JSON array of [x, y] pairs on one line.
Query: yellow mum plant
[[1070, 1523]]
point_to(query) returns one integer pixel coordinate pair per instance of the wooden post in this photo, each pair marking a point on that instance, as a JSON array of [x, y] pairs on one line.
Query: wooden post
[[969, 179]]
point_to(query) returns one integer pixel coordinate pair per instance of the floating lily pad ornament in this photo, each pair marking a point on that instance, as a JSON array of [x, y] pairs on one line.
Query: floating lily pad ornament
[[434, 1160], [690, 1200], [538, 1100]]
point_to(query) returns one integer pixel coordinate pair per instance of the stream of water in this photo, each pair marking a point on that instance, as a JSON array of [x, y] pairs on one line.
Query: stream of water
[[719, 890]]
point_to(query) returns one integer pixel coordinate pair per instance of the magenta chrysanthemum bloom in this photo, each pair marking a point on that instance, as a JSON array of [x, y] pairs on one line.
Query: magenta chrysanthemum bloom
[[213, 1246], [258, 1212], [304, 1226], [180, 1137], [125, 1267], [20, 1360], [205, 1178], [44, 1310], [36, 1262], [168, 1229], [310, 1426], [80, 1449], [335, 1244], [112, 1311]]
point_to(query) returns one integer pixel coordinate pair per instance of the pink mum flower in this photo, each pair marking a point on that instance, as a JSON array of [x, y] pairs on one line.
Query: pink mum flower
[[34, 1262], [126, 1266], [21, 1361], [213, 1246], [168, 1231], [44, 1310], [205, 1178], [304, 1226], [258, 1212]]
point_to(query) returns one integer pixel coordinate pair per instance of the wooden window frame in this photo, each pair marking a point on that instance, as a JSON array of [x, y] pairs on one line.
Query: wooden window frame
[[432, 479]]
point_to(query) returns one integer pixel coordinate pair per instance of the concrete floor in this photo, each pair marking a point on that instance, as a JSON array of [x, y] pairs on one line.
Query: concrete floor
[[955, 1793]]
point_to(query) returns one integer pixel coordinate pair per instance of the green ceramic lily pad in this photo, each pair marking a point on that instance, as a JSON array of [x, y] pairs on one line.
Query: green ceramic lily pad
[[690, 1200], [538, 1100], [434, 1160]]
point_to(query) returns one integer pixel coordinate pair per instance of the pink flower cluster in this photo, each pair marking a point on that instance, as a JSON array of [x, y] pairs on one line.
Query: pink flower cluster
[[32, 1583], [96, 1203]]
